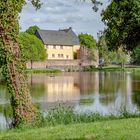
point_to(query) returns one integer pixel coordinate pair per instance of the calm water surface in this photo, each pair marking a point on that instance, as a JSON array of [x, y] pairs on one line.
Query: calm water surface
[[85, 91]]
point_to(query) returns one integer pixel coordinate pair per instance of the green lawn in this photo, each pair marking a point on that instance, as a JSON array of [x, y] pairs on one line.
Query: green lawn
[[43, 70], [124, 129], [116, 68]]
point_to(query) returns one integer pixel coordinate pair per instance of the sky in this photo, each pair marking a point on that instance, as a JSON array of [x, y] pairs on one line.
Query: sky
[[61, 14]]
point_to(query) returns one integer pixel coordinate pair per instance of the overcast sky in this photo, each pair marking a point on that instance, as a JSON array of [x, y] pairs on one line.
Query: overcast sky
[[60, 14]]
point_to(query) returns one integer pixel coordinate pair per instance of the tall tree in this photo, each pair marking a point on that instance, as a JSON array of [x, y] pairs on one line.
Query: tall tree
[[87, 40], [31, 30], [10, 60], [89, 43], [32, 48], [122, 18], [122, 56], [136, 55], [109, 56], [106, 56]]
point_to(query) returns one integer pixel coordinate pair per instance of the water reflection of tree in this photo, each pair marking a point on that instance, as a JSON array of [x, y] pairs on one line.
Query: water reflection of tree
[[136, 83], [109, 85], [136, 98], [105, 100], [136, 90], [88, 83], [3, 91], [37, 90], [6, 110]]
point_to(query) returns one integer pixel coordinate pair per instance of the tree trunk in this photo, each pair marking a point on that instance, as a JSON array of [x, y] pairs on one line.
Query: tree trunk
[[31, 64], [23, 109], [13, 66]]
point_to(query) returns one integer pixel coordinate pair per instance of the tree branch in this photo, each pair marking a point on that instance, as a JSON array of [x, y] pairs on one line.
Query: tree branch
[[36, 3]]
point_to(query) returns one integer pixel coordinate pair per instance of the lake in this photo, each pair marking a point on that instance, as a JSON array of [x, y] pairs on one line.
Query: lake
[[103, 92]]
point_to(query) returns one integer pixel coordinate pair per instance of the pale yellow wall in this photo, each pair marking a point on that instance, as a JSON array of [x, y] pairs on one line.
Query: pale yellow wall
[[58, 52], [76, 48]]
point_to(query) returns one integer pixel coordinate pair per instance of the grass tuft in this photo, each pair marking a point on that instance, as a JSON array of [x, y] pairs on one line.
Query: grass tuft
[[65, 115]]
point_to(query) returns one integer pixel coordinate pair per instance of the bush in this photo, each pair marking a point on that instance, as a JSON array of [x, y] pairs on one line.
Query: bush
[[60, 115]]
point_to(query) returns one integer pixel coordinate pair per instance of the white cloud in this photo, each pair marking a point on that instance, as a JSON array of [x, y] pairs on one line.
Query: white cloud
[[56, 14]]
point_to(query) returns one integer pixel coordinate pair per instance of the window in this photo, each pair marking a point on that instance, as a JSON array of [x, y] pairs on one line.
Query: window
[[61, 55], [61, 47], [53, 55], [54, 47], [67, 56]]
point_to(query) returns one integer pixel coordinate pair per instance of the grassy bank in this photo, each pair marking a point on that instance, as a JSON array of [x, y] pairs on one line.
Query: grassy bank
[[125, 129], [115, 68], [43, 71], [62, 114], [111, 68]]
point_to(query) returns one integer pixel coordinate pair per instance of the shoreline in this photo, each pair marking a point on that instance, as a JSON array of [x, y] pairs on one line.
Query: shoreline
[[90, 69]]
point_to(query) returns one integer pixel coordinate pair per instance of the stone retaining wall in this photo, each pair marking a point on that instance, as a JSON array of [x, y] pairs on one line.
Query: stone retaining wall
[[62, 64]]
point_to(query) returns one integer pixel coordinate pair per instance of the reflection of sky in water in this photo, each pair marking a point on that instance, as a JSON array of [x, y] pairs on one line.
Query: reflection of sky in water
[[2, 121], [111, 107]]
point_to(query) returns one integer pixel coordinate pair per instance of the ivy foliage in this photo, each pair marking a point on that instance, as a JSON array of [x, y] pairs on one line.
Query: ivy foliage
[[12, 64], [87, 40], [122, 18], [32, 48]]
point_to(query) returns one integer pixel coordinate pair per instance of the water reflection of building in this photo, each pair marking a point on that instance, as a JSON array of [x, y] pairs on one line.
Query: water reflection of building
[[106, 92], [62, 89], [59, 87], [66, 86]]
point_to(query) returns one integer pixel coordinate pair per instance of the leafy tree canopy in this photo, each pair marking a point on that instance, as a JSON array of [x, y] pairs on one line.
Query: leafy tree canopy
[[102, 46], [32, 47], [136, 55], [36, 3], [31, 30], [122, 18], [87, 40], [119, 56], [104, 54]]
